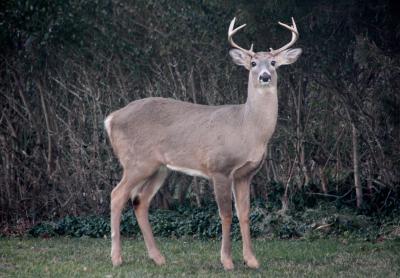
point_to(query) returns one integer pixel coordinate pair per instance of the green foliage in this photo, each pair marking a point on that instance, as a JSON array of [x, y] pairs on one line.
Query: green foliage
[[46, 24], [203, 223], [92, 226], [44, 229]]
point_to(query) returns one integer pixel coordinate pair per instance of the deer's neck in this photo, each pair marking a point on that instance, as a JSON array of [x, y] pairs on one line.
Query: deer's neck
[[261, 109]]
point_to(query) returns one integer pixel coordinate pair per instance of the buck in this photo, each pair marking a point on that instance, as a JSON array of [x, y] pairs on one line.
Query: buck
[[225, 144]]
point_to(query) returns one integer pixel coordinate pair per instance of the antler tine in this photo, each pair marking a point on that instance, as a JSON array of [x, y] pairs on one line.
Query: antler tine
[[295, 36], [232, 32]]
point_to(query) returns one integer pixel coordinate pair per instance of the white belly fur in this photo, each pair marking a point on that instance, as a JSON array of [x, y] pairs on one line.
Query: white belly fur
[[187, 171]]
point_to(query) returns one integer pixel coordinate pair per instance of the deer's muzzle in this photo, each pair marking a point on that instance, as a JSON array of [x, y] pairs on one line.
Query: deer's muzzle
[[265, 77]]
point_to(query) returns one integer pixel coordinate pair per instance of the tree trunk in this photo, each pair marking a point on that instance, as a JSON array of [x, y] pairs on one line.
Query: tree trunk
[[182, 190], [324, 180], [285, 200], [357, 182], [197, 191]]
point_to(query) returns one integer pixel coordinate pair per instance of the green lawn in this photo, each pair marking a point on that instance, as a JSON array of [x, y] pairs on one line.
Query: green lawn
[[75, 257]]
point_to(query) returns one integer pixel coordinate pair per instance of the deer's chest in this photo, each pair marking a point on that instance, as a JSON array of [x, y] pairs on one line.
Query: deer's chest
[[251, 166], [237, 163]]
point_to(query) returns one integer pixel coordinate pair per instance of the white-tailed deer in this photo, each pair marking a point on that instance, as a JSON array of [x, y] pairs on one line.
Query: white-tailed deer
[[226, 144]]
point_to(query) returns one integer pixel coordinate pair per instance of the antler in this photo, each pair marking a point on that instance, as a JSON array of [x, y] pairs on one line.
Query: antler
[[232, 31], [295, 36]]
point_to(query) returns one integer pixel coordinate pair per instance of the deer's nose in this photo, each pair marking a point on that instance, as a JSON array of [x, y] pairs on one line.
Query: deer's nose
[[265, 77]]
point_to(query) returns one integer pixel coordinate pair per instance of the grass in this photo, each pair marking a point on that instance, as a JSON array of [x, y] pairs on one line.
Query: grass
[[76, 257]]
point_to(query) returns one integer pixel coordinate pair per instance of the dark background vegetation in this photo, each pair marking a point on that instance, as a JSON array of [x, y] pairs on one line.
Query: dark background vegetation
[[65, 65]]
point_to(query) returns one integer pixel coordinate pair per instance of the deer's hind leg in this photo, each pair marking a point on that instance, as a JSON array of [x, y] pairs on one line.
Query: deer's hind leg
[[132, 180], [141, 203]]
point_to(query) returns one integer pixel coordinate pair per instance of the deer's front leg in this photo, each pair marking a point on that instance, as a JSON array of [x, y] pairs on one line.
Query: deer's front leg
[[223, 195], [242, 204]]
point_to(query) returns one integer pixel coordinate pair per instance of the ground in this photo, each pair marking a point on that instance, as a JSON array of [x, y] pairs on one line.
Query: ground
[[68, 257]]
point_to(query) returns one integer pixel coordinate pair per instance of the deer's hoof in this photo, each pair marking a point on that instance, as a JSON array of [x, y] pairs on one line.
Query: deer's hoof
[[116, 260], [252, 262], [158, 259], [227, 264]]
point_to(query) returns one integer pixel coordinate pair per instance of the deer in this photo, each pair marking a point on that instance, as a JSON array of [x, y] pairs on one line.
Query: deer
[[225, 144]]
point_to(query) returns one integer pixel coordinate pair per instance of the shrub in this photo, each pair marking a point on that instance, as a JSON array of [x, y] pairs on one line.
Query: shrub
[[204, 223]]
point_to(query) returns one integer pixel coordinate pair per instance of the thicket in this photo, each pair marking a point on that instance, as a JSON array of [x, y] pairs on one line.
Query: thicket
[[66, 64], [321, 221]]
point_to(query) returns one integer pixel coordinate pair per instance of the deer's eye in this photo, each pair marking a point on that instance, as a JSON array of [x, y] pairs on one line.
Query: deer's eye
[[253, 64], [273, 63]]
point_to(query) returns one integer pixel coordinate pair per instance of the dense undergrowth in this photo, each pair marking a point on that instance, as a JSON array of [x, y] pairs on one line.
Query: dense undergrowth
[[310, 215], [323, 220]]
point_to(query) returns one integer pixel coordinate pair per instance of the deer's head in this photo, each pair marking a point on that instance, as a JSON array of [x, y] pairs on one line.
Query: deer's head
[[262, 65]]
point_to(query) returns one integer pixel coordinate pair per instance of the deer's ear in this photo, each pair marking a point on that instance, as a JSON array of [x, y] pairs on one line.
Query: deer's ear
[[288, 56], [240, 58]]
